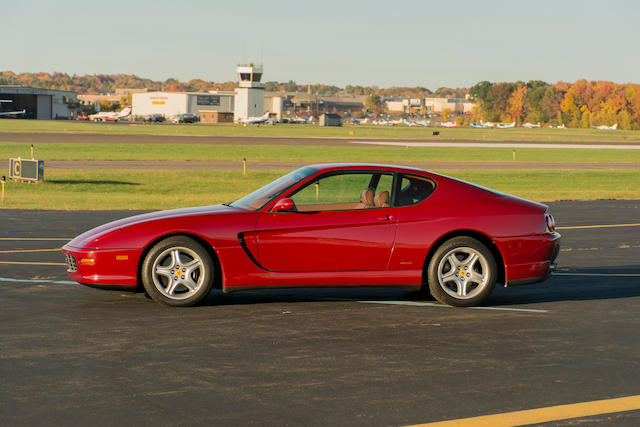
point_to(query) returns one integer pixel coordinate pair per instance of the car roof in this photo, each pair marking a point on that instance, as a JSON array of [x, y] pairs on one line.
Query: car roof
[[324, 167]]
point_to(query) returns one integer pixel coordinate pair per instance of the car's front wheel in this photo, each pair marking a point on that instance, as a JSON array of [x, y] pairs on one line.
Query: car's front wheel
[[462, 272], [178, 271]]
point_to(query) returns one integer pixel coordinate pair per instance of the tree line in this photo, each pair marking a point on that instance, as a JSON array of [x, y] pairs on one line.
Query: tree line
[[582, 104], [108, 83]]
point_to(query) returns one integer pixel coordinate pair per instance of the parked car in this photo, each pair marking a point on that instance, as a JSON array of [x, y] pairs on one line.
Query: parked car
[[329, 225], [184, 118], [154, 118]]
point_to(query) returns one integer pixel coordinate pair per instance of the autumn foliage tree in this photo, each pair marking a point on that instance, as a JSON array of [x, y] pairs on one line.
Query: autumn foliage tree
[[580, 104]]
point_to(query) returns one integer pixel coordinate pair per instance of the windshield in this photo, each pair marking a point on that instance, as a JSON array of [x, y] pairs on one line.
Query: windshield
[[259, 198]]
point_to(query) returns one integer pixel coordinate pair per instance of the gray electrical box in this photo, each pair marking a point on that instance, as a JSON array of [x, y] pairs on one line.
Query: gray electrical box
[[26, 170]]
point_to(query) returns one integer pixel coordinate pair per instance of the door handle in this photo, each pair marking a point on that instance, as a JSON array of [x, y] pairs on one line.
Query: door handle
[[385, 218]]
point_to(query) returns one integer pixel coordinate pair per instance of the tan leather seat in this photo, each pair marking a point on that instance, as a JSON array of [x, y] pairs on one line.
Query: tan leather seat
[[366, 199], [381, 200]]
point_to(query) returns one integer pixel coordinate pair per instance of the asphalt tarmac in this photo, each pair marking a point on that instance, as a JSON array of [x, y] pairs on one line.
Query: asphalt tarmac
[[71, 355]]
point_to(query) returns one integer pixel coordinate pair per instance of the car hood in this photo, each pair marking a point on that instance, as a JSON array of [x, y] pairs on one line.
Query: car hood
[[91, 237]]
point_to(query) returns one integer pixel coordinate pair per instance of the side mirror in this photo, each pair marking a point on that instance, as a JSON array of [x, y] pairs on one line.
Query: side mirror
[[284, 205]]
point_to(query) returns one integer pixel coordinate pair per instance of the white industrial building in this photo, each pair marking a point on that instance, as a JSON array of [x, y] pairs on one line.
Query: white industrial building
[[246, 101], [169, 104], [42, 104]]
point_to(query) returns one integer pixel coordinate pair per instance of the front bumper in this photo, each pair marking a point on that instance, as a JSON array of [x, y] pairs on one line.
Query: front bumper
[[117, 267]]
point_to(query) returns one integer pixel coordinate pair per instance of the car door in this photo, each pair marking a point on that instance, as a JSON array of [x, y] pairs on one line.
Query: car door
[[340, 225]]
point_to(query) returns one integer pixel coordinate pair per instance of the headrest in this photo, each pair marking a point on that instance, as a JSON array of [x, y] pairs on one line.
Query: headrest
[[366, 196], [382, 199]]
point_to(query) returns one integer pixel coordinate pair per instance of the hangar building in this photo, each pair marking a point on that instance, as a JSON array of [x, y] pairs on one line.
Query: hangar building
[[42, 104], [170, 104]]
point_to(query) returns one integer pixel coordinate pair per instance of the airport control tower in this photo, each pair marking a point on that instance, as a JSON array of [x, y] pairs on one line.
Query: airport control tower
[[249, 95]]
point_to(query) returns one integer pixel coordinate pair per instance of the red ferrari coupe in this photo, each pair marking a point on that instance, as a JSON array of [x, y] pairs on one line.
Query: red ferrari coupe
[[329, 225]]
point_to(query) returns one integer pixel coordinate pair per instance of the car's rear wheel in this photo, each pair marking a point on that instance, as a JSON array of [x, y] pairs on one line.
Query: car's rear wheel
[[462, 272], [178, 271]]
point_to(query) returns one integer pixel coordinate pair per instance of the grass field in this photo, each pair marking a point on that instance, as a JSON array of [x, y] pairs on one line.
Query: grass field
[[122, 189], [286, 130], [163, 189], [306, 153]]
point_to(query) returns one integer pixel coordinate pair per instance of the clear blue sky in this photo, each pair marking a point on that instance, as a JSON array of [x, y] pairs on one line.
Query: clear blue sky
[[399, 43]]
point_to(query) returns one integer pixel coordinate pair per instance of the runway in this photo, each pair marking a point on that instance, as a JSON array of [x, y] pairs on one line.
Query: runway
[[288, 165], [46, 138], [75, 355]]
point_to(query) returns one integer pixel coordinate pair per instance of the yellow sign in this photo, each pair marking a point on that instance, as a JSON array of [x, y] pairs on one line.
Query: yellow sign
[[16, 168], [157, 102]]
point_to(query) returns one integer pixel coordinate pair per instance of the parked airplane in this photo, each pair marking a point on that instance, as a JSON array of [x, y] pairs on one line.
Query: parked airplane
[[531, 125], [12, 113], [603, 127], [558, 127], [477, 125], [448, 124], [113, 116], [506, 125], [257, 120]]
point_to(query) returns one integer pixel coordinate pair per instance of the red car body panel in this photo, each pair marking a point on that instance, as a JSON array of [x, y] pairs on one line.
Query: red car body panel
[[380, 247]]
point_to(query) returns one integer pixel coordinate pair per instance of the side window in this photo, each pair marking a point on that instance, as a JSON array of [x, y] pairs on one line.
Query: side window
[[344, 192], [414, 189]]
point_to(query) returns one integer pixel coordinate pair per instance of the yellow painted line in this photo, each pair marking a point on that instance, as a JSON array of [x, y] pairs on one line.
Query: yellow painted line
[[29, 250], [35, 238], [32, 263], [545, 415], [597, 226]]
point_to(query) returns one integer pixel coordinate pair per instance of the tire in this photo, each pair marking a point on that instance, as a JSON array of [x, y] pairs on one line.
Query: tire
[[178, 271], [462, 272]]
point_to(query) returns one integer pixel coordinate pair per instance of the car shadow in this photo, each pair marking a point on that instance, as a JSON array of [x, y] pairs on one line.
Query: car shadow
[[88, 181], [583, 284], [317, 294], [574, 284]]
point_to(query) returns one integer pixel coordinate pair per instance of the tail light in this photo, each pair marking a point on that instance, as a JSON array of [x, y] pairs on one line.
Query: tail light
[[551, 223]]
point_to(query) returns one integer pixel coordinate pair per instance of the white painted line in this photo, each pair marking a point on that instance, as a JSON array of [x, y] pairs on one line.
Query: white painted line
[[598, 274], [505, 144], [575, 227], [57, 282], [433, 304]]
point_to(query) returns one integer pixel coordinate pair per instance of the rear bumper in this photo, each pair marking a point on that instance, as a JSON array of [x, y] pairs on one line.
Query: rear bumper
[[529, 259], [110, 268]]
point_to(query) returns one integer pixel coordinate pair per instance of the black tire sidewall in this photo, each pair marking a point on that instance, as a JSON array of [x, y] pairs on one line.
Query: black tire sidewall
[[432, 273], [156, 250]]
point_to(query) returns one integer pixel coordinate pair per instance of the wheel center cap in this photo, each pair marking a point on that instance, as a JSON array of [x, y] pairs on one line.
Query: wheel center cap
[[462, 272], [178, 273]]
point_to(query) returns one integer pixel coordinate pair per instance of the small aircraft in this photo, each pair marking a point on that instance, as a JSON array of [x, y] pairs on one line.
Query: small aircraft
[[477, 125], [112, 116], [531, 125], [603, 127], [12, 113], [448, 124], [562, 126], [257, 120], [506, 125]]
